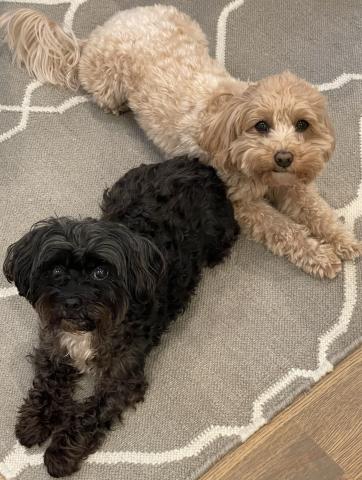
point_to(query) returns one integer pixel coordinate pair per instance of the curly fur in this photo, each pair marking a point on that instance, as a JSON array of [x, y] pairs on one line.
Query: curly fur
[[161, 225], [155, 61], [58, 59]]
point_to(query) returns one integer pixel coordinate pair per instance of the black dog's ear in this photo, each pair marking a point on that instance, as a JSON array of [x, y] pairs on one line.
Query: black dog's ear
[[19, 260], [146, 265]]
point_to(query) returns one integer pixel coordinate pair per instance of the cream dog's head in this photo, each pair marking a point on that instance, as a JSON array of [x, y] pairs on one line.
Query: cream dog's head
[[277, 132]]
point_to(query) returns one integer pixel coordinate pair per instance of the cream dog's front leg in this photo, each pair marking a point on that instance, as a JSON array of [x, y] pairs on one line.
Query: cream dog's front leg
[[304, 205], [284, 237]]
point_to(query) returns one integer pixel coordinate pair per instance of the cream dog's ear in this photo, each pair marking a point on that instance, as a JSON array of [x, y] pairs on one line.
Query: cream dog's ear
[[324, 126], [223, 125], [331, 134]]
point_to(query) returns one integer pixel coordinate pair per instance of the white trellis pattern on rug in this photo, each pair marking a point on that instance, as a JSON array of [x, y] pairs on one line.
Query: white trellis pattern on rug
[[18, 458]]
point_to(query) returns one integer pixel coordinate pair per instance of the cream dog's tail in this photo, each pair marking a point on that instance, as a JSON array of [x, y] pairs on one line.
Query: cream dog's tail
[[48, 53]]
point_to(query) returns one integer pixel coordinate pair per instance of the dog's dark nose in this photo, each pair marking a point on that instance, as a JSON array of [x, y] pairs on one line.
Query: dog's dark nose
[[72, 302], [283, 158]]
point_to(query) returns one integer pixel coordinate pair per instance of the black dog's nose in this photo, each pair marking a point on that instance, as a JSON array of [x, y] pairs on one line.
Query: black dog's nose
[[72, 302], [283, 158]]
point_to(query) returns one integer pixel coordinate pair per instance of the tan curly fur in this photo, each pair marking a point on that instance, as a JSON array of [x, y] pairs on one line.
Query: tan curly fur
[[155, 61], [57, 59]]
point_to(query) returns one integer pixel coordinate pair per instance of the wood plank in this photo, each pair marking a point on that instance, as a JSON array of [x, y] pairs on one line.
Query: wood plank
[[328, 419], [290, 455], [334, 418]]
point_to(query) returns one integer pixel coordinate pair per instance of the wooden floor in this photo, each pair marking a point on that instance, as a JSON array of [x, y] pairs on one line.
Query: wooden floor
[[318, 438]]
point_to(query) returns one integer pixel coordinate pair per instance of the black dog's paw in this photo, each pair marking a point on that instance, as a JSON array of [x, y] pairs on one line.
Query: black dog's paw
[[29, 429], [60, 462]]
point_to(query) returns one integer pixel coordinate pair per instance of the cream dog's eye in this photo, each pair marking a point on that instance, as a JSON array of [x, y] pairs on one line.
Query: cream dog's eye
[[301, 125], [262, 127], [100, 273]]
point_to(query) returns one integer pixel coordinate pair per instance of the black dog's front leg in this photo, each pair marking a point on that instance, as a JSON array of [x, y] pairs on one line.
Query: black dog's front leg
[[83, 432], [47, 401]]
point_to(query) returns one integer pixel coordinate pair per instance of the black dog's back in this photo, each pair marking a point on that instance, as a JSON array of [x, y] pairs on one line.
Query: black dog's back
[[177, 203], [181, 206]]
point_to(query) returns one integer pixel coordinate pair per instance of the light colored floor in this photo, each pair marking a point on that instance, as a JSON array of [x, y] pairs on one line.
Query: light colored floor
[[318, 438]]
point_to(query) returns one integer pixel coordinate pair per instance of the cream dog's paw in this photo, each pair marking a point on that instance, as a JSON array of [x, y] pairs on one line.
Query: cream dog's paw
[[321, 260], [348, 249]]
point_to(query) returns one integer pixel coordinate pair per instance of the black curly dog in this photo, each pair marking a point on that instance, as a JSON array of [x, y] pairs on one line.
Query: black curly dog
[[105, 290]]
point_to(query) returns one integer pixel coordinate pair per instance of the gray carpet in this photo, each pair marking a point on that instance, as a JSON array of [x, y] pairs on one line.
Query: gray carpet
[[259, 331]]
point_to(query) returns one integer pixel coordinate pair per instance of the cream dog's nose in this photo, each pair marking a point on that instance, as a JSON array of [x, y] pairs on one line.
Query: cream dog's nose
[[283, 158]]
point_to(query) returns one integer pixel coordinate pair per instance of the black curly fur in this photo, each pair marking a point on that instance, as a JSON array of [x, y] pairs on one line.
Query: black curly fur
[[160, 225]]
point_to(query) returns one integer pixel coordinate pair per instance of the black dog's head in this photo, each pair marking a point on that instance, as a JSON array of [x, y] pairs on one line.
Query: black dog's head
[[79, 274]]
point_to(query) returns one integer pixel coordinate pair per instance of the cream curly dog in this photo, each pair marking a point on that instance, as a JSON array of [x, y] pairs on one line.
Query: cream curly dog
[[268, 140]]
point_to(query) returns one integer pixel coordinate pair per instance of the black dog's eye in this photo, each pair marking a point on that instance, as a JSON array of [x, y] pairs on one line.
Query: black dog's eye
[[58, 270], [100, 273], [301, 125], [262, 127]]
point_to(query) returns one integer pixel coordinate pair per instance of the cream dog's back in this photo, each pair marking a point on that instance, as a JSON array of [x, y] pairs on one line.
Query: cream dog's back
[[157, 61]]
